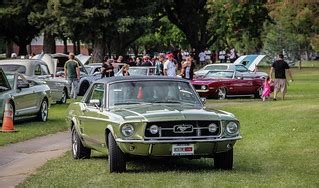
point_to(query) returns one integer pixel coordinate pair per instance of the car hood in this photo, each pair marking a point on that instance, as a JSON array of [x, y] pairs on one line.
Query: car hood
[[250, 61], [168, 112], [206, 81]]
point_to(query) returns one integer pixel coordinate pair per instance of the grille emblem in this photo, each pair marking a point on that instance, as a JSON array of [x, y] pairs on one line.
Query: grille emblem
[[183, 128]]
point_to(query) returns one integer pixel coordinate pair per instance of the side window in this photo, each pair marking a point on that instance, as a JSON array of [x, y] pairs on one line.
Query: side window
[[37, 70], [151, 71], [96, 96], [45, 70], [241, 68]]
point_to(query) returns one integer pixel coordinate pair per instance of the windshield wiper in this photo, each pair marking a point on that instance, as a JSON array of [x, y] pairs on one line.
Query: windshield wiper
[[122, 103]]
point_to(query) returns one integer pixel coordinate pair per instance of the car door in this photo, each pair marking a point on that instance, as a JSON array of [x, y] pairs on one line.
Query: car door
[[92, 120], [55, 87], [26, 98]]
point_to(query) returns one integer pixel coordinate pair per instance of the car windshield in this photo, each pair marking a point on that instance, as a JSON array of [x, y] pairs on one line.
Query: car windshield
[[216, 67], [159, 91], [13, 68], [88, 69], [3, 83], [219, 74]]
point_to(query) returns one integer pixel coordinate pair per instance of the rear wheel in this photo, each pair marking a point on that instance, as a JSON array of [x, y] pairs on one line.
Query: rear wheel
[[43, 112], [259, 92], [221, 93], [64, 97], [78, 150], [116, 159], [224, 160]]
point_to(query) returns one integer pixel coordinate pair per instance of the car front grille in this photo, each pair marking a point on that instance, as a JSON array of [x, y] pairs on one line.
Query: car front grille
[[180, 129], [198, 87]]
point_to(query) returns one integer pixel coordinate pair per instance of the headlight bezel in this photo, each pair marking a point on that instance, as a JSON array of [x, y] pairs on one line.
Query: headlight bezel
[[127, 130], [232, 128], [152, 128], [203, 87], [215, 127]]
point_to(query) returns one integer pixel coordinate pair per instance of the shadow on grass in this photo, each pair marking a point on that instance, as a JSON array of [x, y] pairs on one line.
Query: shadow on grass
[[169, 164]]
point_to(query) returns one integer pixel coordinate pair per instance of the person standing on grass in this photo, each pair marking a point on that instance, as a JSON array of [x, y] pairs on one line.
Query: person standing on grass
[[72, 74], [280, 67], [169, 66], [266, 89]]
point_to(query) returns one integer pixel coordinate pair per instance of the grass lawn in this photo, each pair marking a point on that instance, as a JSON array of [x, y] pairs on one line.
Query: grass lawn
[[31, 128], [279, 149]]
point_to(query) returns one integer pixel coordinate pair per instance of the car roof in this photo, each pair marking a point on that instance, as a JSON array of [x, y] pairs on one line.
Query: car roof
[[138, 78], [21, 61], [93, 65]]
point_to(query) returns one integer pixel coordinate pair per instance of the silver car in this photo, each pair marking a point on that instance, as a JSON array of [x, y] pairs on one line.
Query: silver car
[[138, 71], [27, 98], [37, 69]]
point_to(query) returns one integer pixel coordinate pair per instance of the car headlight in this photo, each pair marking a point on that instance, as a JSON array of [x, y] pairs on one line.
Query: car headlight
[[154, 129], [212, 127], [203, 87], [232, 127], [127, 130]]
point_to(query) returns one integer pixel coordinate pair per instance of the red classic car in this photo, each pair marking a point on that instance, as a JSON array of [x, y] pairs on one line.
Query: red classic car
[[222, 84]]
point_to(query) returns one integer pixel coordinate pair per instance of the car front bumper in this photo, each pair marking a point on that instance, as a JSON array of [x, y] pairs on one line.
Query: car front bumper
[[163, 148]]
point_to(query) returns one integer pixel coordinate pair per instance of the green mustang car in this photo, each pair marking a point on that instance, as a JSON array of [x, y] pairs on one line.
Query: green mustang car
[[150, 116]]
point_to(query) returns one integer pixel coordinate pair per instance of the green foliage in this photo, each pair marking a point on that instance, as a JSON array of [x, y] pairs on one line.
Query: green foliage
[[295, 27]]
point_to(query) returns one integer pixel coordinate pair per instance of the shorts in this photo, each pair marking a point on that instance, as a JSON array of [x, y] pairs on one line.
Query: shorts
[[280, 84]]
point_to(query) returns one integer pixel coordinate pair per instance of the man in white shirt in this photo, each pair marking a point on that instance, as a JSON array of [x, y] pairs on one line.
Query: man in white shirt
[[222, 56], [202, 57], [208, 54], [169, 66]]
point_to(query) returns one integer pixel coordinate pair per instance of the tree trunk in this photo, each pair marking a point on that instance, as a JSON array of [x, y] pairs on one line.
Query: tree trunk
[[74, 46], [49, 46], [97, 55], [78, 47], [22, 47], [65, 45], [9, 48]]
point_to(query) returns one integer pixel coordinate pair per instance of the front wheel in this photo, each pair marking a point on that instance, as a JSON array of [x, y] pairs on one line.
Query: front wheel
[[224, 160], [78, 150], [43, 112], [221, 93], [116, 159]]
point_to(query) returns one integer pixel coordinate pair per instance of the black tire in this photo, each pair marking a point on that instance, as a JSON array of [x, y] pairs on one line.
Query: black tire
[[83, 88], [78, 150], [44, 111], [221, 93], [259, 92], [64, 97], [116, 159], [224, 160]]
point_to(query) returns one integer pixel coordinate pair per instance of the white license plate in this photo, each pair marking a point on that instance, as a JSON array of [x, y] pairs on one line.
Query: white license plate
[[182, 149]]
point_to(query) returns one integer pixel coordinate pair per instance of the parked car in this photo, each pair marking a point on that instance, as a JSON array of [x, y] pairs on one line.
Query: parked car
[[37, 69], [138, 71], [93, 68], [222, 84], [150, 116], [26, 97], [230, 67]]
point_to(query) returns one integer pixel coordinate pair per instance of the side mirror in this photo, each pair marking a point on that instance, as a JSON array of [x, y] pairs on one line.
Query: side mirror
[[240, 77], [23, 85], [95, 102], [203, 100]]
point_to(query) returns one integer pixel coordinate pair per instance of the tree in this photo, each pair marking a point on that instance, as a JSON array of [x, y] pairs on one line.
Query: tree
[[295, 26], [15, 25], [208, 22]]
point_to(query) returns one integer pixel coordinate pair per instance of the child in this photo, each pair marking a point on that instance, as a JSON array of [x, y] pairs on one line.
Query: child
[[266, 89]]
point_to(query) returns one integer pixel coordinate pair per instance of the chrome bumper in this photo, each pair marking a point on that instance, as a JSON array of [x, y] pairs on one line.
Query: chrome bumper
[[154, 141]]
